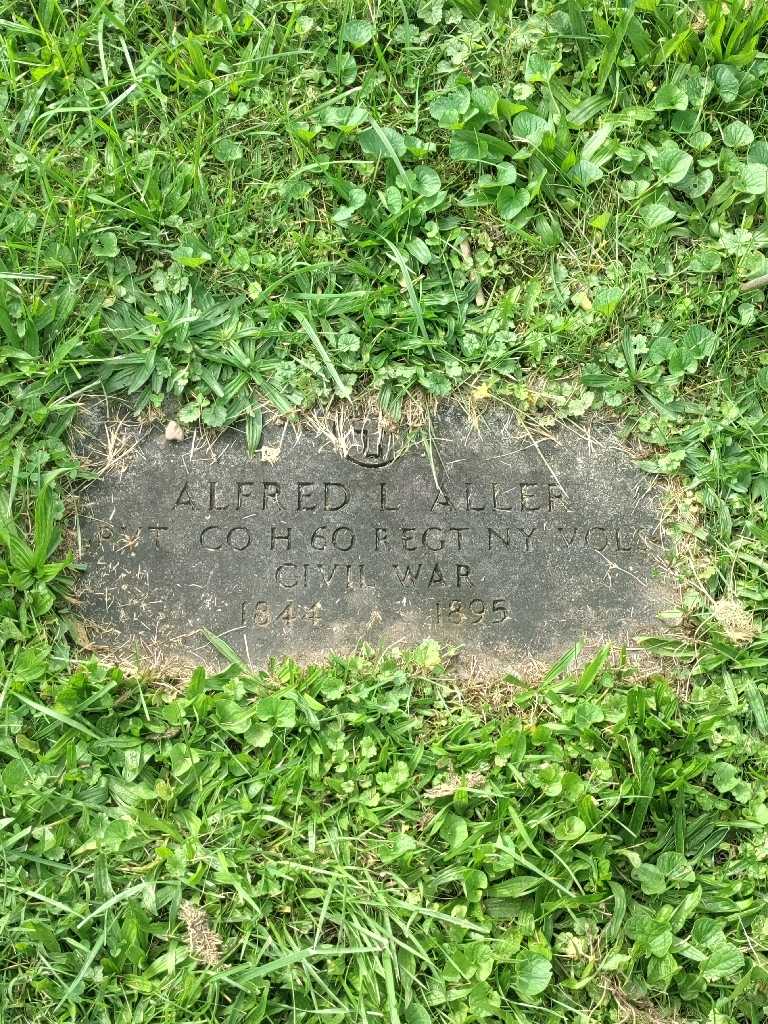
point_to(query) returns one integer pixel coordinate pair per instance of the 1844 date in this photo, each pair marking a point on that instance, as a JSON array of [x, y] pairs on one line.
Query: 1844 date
[[285, 614]]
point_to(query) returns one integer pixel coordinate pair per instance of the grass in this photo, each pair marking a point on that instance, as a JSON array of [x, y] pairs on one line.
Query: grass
[[267, 206], [350, 842]]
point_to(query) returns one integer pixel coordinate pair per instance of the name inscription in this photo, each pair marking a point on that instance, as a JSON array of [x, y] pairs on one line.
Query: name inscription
[[492, 542]]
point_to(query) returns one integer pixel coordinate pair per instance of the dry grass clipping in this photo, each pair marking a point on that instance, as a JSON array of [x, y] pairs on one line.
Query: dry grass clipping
[[452, 784], [634, 1012], [734, 619], [203, 943]]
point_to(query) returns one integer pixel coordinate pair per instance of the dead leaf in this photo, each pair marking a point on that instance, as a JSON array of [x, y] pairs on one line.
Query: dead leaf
[[173, 431], [482, 392], [81, 637]]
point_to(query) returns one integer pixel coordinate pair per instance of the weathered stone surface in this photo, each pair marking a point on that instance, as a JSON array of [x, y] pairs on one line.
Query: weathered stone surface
[[510, 545]]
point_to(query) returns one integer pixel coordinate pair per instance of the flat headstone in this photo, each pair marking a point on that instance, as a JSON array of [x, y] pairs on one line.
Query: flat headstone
[[473, 533]]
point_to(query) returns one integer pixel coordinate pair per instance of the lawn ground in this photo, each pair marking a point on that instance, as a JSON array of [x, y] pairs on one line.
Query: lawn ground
[[264, 207]]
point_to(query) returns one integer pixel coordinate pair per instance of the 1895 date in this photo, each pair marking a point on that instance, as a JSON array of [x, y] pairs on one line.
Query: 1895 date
[[473, 611]]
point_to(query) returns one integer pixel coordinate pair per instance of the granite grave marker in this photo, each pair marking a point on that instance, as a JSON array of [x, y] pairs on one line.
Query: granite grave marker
[[509, 545]]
